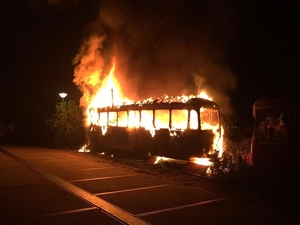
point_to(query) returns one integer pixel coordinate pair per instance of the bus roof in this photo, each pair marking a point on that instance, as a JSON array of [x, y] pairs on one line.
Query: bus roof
[[191, 103]]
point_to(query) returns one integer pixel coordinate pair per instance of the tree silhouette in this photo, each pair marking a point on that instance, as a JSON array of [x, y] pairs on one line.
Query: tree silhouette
[[67, 126]]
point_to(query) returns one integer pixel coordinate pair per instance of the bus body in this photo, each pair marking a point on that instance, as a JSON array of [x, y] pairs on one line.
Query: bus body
[[173, 129], [275, 143]]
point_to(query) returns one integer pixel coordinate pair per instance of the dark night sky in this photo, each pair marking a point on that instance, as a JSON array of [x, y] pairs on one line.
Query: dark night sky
[[238, 49]]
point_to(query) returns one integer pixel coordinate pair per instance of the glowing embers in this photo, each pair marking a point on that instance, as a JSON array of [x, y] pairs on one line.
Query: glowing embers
[[161, 159], [84, 149], [201, 161], [195, 165]]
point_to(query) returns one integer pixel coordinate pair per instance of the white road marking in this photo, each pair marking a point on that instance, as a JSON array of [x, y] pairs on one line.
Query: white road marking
[[102, 178], [109, 208], [66, 212], [180, 207], [132, 189], [54, 214], [97, 168]]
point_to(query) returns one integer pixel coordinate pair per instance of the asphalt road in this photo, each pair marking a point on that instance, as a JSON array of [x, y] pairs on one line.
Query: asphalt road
[[51, 186]]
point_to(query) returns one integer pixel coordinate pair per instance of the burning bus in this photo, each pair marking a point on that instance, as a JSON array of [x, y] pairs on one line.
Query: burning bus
[[178, 128], [183, 127]]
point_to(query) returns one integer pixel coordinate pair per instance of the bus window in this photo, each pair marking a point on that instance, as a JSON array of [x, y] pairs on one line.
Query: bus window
[[134, 118], [94, 117], [147, 119], [122, 118], [162, 118], [194, 120], [209, 118], [103, 119], [112, 118], [179, 118], [272, 124]]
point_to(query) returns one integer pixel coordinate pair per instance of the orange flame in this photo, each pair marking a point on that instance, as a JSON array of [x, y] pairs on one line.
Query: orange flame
[[110, 94], [104, 96]]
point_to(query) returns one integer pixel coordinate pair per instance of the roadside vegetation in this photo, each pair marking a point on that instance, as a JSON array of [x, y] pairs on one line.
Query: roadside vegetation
[[66, 126]]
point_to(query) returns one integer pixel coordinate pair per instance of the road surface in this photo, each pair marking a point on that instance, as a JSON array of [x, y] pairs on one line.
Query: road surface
[[52, 186]]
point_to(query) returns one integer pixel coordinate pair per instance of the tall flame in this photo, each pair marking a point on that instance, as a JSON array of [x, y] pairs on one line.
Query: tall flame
[[110, 94]]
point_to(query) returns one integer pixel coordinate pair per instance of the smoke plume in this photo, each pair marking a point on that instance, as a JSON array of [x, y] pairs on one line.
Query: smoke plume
[[161, 47]]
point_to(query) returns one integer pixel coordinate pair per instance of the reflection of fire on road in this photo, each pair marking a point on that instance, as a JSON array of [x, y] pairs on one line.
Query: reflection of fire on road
[[109, 109]]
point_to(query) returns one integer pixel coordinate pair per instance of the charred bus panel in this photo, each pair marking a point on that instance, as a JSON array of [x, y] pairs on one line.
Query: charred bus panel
[[172, 129]]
